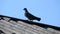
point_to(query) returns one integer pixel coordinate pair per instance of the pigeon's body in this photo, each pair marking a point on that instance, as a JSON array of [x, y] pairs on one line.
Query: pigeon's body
[[30, 16]]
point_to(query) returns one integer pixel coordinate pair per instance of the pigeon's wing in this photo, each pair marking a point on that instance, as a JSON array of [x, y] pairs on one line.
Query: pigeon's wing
[[30, 16]]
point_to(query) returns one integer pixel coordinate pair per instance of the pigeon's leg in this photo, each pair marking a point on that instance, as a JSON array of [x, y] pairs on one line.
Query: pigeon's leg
[[31, 20]]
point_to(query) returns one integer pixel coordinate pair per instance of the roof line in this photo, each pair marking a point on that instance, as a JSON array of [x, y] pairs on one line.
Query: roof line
[[33, 23]]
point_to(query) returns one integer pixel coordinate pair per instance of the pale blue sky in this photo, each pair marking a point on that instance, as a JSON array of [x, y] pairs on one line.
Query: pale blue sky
[[48, 10]]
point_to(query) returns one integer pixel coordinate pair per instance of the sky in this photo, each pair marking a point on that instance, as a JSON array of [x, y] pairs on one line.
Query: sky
[[47, 10]]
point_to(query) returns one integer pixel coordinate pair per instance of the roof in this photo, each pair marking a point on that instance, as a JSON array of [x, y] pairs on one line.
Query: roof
[[33, 23]]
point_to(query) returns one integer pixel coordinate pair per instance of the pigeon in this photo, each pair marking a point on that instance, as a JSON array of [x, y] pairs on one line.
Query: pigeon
[[30, 16]]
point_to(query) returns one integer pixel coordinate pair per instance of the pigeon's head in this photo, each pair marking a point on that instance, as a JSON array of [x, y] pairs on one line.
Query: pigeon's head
[[25, 9]]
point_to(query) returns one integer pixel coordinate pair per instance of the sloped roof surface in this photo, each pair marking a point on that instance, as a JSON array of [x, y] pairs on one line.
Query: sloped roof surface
[[33, 23]]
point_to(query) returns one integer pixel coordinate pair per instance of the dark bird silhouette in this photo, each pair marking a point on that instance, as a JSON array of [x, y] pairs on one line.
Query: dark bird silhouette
[[30, 16]]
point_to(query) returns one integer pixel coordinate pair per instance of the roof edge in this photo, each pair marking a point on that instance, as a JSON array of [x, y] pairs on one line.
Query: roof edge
[[33, 23]]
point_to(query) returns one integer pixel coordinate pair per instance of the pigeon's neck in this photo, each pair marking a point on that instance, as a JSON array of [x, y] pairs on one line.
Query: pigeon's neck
[[26, 10]]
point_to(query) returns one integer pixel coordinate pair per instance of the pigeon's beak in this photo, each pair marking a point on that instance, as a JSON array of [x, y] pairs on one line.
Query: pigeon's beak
[[23, 9]]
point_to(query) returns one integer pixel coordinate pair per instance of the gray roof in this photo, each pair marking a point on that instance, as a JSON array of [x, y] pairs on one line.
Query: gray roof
[[33, 23]]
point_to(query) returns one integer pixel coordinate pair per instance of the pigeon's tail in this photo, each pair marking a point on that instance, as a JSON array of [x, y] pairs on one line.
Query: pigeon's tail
[[38, 19]]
